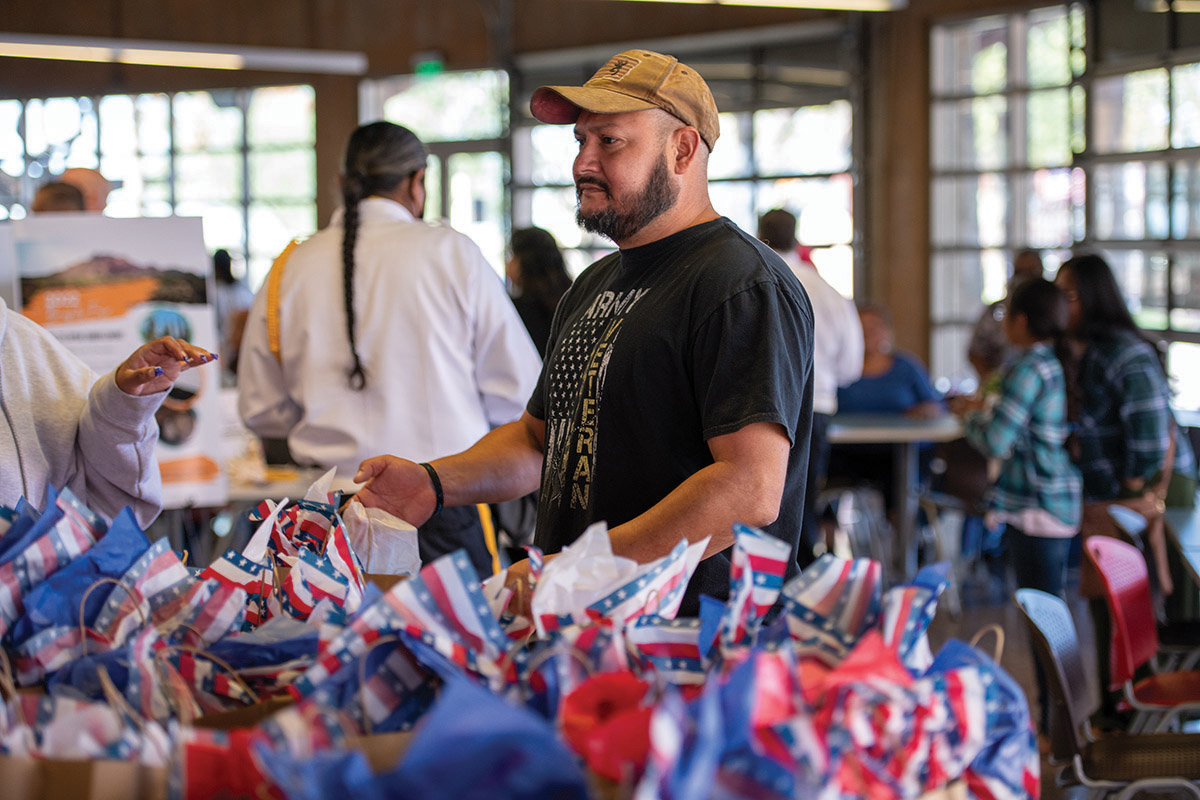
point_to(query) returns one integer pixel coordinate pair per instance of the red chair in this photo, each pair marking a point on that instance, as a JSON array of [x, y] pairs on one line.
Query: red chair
[[1162, 696]]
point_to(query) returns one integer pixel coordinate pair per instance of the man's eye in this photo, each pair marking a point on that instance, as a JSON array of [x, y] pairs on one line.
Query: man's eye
[[608, 140]]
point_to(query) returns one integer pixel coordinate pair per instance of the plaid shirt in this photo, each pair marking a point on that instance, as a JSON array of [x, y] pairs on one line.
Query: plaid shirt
[[1125, 416], [1027, 428]]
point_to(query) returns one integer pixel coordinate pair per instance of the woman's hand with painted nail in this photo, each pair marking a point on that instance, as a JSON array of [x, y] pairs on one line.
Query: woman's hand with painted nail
[[154, 367]]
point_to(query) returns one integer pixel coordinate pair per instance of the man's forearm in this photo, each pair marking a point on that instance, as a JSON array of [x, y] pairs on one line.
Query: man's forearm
[[706, 504], [504, 464]]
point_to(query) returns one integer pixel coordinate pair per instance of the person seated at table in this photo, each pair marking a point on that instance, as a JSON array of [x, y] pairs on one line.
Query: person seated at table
[[892, 382], [64, 427], [1038, 493]]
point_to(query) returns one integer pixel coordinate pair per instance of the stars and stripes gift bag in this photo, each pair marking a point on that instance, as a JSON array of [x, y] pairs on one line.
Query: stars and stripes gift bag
[[444, 606], [907, 612], [255, 578], [667, 649], [755, 580], [56, 539], [830, 604], [311, 579], [587, 580], [158, 584]]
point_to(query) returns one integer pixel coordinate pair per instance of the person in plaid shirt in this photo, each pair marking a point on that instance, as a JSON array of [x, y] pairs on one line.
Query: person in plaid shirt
[[1038, 492]]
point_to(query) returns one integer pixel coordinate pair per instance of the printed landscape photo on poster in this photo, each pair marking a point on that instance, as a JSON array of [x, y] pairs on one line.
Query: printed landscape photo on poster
[[106, 286]]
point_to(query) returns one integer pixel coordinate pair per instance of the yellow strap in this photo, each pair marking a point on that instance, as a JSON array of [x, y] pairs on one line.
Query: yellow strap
[[274, 283], [489, 534]]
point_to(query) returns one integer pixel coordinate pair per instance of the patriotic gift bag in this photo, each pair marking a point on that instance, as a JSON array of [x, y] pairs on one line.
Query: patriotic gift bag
[[907, 612], [830, 604], [586, 580], [1007, 765], [58, 537], [686, 742], [255, 578], [756, 579]]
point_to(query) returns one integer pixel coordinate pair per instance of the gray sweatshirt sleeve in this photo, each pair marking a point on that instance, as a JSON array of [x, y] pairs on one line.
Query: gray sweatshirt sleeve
[[115, 445]]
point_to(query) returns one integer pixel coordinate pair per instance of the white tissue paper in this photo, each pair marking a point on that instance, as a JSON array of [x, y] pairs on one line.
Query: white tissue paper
[[386, 544], [587, 575]]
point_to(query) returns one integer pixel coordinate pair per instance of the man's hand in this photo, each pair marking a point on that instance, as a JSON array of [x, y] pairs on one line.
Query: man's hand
[[517, 579], [398, 486], [154, 367]]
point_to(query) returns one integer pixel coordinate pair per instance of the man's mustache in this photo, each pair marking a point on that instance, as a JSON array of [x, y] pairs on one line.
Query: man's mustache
[[579, 184]]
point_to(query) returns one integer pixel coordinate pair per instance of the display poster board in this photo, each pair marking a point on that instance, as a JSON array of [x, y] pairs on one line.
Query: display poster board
[[106, 286]]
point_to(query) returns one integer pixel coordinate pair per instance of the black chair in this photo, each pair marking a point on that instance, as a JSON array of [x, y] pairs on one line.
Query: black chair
[[1125, 764]]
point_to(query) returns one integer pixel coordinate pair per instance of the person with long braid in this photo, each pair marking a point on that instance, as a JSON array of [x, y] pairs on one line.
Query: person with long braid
[[389, 335]]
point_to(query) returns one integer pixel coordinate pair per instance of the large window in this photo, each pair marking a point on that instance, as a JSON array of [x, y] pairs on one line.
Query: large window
[[1034, 145], [462, 118], [786, 141], [242, 160], [1006, 121]]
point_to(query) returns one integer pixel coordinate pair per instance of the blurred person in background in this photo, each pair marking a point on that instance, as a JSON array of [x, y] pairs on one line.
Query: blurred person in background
[[57, 196], [95, 187], [989, 348], [892, 382], [837, 356], [539, 279], [390, 335], [232, 300]]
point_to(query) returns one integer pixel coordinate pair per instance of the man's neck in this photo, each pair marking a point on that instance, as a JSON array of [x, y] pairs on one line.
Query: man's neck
[[669, 223]]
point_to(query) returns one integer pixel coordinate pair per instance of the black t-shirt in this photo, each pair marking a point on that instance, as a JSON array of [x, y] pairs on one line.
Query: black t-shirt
[[654, 350]]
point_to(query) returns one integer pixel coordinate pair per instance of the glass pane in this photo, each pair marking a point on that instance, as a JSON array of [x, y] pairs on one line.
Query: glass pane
[[224, 224], [961, 283], [1129, 112], [836, 266], [970, 211], [1049, 122], [731, 157], [1130, 200], [1142, 276], [12, 147], [201, 123], [156, 200], [1078, 40], [971, 134], [1048, 50], [284, 174], [272, 226], [477, 186], [84, 147], [1185, 200], [735, 199], [207, 176], [1185, 288], [118, 126], [152, 116], [554, 210], [281, 115], [1049, 207], [1183, 363], [823, 206], [803, 140], [449, 107], [434, 209], [970, 57], [948, 359], [554, 151], [1185, 119]]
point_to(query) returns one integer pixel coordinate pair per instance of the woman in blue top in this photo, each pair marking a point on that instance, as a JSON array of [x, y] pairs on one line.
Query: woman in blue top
[[891, 383]]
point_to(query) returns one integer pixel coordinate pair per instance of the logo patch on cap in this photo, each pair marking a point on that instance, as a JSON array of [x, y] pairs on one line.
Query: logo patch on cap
[[616, 68]]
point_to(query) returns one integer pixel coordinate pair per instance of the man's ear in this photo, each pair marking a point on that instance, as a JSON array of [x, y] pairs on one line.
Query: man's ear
[[687, 143]]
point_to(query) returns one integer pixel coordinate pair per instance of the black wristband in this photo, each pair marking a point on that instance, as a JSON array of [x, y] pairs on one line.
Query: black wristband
[[437, 488]]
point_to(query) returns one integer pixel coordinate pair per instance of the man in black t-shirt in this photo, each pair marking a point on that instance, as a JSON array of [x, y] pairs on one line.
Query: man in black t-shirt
[[676, 396]]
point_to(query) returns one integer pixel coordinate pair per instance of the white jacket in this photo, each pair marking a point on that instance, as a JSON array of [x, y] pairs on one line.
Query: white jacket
[[61, 427], [837, 336], [446, 355]]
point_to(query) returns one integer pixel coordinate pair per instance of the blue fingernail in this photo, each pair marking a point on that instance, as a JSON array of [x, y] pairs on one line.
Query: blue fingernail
[[158, 372], [215, 356]]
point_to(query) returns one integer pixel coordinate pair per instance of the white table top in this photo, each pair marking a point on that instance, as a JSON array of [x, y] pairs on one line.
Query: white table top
[[891, 428]]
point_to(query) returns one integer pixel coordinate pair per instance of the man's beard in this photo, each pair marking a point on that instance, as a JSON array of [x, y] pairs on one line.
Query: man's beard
[[657, 196]]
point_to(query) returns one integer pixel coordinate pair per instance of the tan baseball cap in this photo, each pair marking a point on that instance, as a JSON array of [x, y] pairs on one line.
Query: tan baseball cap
[[635, 80]]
